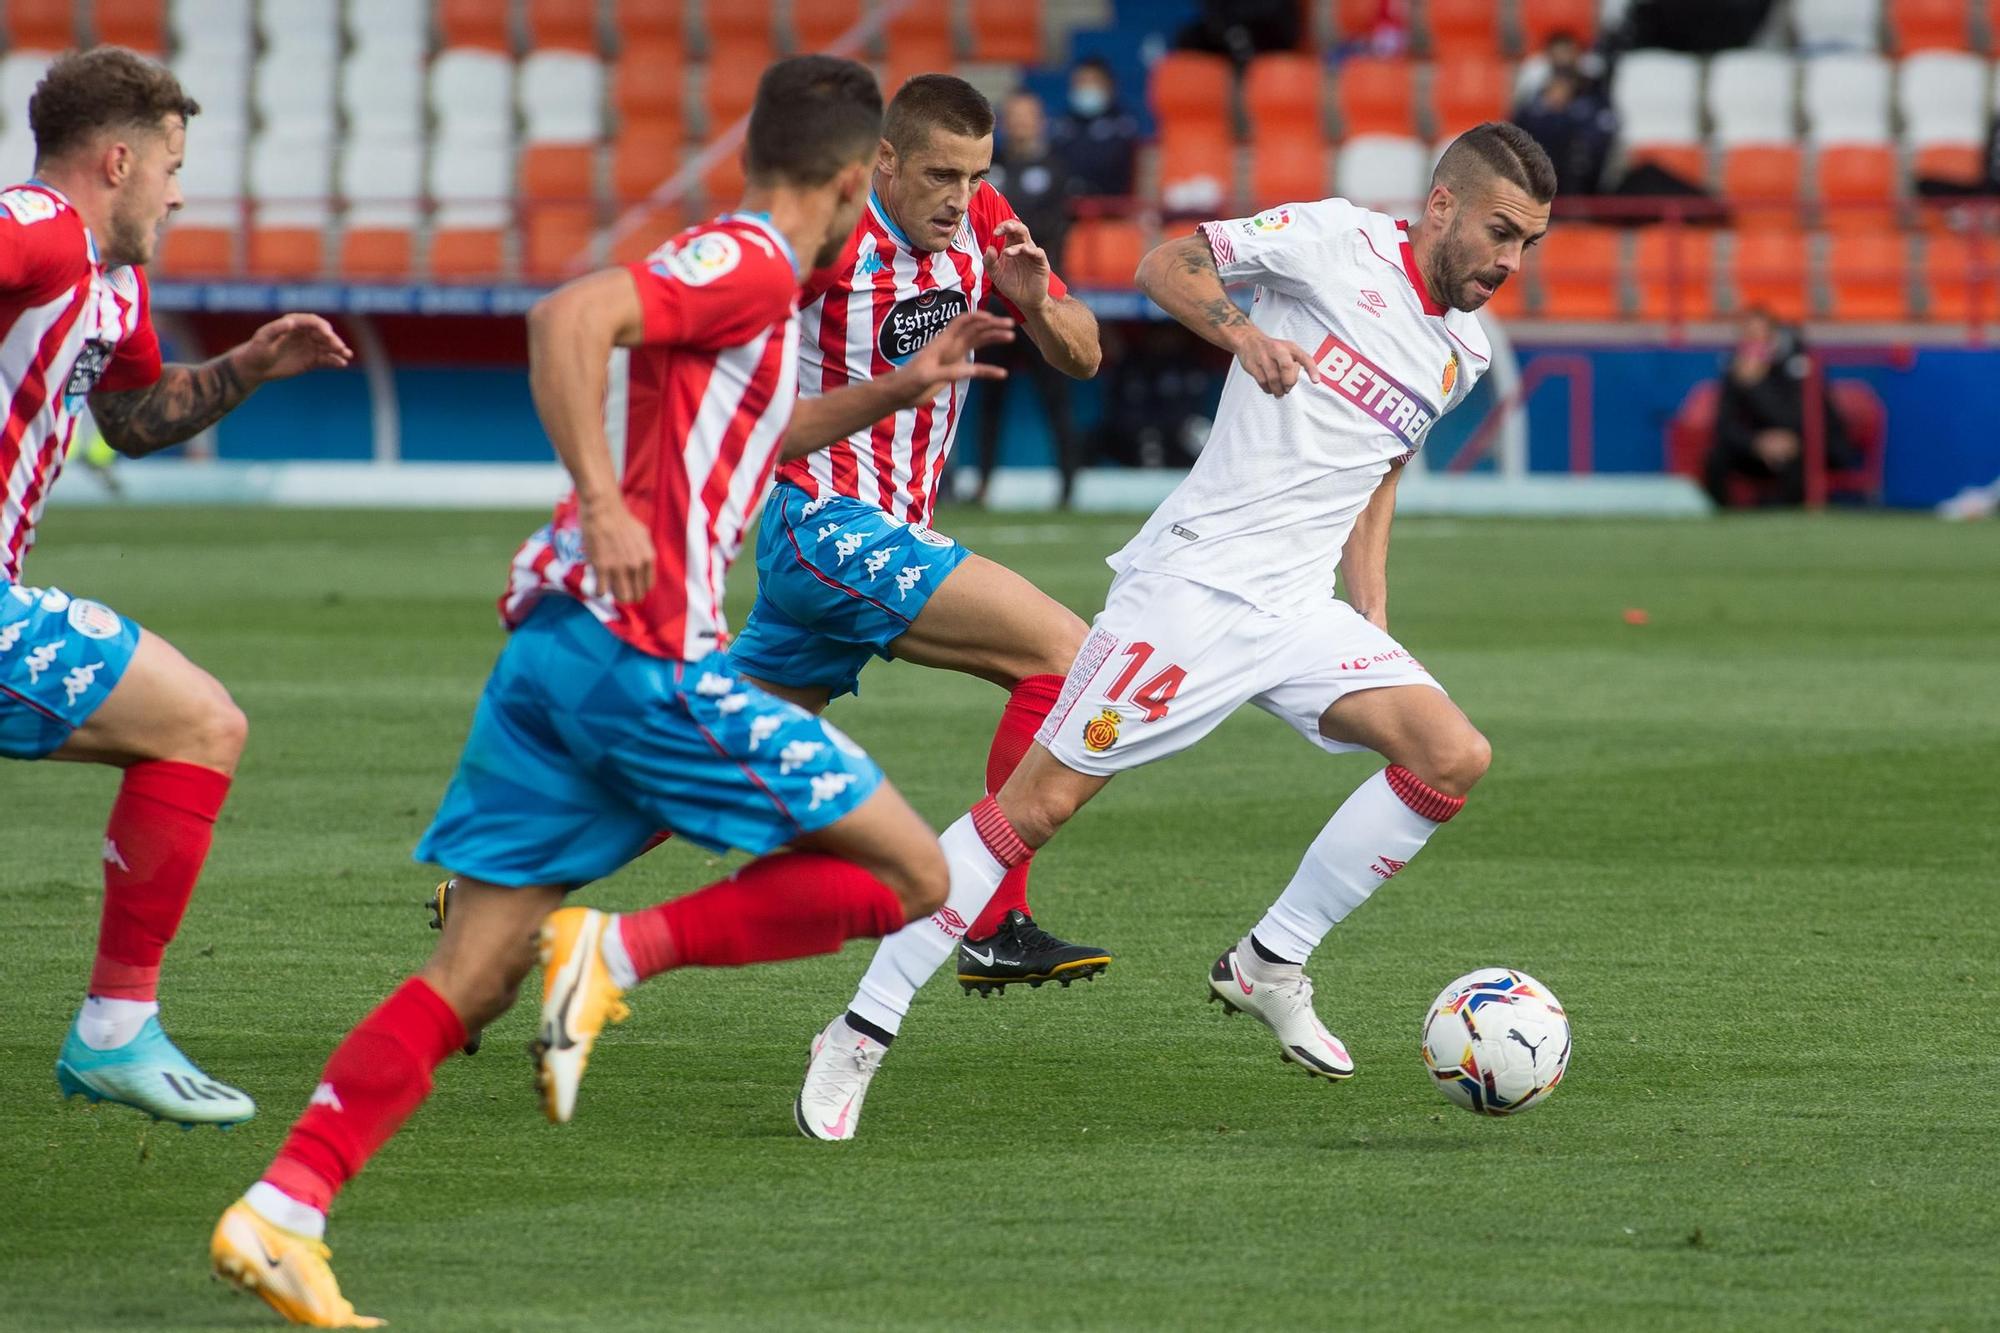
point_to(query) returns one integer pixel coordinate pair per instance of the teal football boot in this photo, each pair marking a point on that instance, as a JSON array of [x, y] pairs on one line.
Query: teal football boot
[[149, 1073]]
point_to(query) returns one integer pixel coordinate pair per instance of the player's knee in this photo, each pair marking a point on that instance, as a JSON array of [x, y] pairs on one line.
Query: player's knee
[[1065, 640], [221, 732], [1459, 762], [921, 878], [1036, 812]]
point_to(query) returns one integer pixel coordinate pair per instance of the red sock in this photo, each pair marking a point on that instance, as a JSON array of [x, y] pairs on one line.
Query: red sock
[[1026, 707], [376, 1076], [154, 847], [791, 905]]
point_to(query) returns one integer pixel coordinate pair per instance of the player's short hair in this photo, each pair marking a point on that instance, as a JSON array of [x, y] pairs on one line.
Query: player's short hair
[[936, 102], [813, 116], [1500, 149], [106, 87]]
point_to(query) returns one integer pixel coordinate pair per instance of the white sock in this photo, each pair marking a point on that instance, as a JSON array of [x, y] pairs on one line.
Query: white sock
[[906, 959], [282, 1210], [1372, 836], [616, 961], [106, 1023]]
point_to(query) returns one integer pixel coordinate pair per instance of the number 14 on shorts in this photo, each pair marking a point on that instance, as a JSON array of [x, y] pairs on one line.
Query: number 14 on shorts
[[1156, 693]]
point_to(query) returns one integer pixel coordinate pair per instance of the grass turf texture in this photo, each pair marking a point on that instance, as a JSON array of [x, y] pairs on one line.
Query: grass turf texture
[[1750, 844]]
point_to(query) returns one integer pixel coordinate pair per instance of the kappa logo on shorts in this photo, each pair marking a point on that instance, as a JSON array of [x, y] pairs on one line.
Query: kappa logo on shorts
[[1100, 733], [10, 635], [907, 578], [79, 680], [43, 658]]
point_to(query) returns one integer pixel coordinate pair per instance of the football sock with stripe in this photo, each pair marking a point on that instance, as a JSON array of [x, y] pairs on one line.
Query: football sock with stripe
[[980, 849], [1027, 707], [154, 847], [789, 905], [1373, 835]]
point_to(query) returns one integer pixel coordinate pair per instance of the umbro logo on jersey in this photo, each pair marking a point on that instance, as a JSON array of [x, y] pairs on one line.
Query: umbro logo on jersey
[[1373, 303]]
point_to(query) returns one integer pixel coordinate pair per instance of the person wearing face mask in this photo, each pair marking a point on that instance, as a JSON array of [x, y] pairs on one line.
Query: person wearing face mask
[[1098, 141], [1759, 422]]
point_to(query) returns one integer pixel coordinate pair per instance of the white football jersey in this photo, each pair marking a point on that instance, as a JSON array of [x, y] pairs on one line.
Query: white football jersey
[[1270, 501]]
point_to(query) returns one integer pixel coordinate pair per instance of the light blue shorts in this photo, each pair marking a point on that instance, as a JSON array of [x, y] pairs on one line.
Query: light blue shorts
[[60, 658]]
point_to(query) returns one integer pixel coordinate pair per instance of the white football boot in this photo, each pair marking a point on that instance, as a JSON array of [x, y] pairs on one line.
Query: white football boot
[[1280, 996], [837, 1077]]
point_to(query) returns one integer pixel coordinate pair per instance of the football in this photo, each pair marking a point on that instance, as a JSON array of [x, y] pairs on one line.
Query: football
[[1496, 1041]]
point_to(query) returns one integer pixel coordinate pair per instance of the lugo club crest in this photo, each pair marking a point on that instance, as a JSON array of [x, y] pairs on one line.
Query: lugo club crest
[[915, 321]]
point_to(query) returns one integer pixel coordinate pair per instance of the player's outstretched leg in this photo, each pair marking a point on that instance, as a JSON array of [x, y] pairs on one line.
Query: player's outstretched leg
[[859, 877], [1435, 756], [988, 621], [272, 1240], [980, 849], [177, 735]]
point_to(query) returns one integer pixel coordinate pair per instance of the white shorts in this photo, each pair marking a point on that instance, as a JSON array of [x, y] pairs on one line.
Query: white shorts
[[1167, 660]]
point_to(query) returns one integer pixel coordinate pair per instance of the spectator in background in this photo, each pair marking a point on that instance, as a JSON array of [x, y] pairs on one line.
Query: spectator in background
[[1700, 26], [1098, 140], [1240, 29], [1563, 54], [1761, 414], [1574, 125], [1037, 183]]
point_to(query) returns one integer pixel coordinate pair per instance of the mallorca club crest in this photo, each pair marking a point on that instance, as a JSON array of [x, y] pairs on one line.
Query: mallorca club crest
[[1450, 375], [1100, 733]]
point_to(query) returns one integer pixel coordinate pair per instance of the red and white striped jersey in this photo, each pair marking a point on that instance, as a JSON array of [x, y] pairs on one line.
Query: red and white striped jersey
[[698, 411], [67, 326], [867, 313]]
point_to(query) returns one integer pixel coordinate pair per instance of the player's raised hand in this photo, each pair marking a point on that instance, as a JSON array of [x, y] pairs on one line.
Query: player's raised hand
[[291, 345], [619, 549], [1274, 363], [1020, 268], [947, 358]]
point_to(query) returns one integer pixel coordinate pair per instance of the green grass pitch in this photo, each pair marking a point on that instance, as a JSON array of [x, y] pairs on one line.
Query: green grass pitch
[[1751, 843]]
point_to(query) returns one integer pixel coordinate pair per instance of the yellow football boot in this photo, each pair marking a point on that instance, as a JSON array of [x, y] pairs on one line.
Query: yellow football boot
[[288, 1270], [578, 999]]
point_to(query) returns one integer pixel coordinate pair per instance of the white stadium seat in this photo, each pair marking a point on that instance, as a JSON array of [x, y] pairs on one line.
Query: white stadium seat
[[1845, 98], [562, 97], [218, 24], [17, 152], [472, 95], [1382, 171], [472, 181], [1853, 25], [294, 25], [293, 92], [212, 180], [382, 94], [382, 181], [291, 179], [1753, 97], [386, 27], [1941, 96], [1656, 94], [20, 71], [223, 89]]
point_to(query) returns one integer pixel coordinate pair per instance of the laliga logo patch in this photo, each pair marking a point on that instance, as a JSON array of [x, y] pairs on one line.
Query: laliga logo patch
[[1451, 374], [1101, 732], [28, 206], [93, 620], [702, 260], [1270, 220], [927, 537]]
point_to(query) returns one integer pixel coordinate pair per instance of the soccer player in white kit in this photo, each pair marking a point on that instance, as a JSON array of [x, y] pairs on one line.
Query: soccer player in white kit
[[1360, 335]]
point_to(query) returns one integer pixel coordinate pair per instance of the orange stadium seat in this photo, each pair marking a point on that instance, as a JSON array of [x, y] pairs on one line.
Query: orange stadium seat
[[1543, 19], [1192, 159], [1103, 252], [1868, 274], [1580, 272], [566, 171], [39, 25], [479, 23], [1769, 270], [655, 225], [1959, 283], [638, 20], [1964, 163], [818, 25], [1356, 18], [376, 252], [555, 240], [1689, 161], [1468, 91], [926, 26], [1929, 25], [466, 252], [1857, 186], [646, 84], [747, 25], [1462, 28], [286, 252], [1188, 89], [1007, 30], [1376, 95], [1286, 168], [198, 252], [563, 25], [918, 53], [139, 24], [729, 84], [1760, 183], [1673, 273], [1285, 93], [641, 159], [1511, 301], [722, 183]]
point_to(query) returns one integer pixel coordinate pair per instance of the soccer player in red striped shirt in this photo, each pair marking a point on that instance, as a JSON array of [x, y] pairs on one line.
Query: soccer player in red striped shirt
[[848, 566], [613, 711], [78, 681]]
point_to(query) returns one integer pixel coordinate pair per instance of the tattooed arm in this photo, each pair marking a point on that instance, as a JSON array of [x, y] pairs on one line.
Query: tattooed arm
[[1181, 278], [187, 400]]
